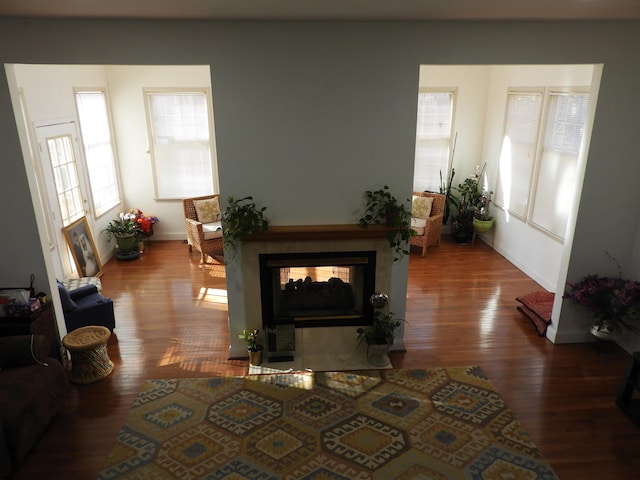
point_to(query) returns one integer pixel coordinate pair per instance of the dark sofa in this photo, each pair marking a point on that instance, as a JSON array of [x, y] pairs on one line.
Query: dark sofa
[[33, 387]]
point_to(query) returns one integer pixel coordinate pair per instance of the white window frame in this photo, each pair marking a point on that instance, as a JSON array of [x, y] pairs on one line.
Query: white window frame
[[548, 193], [106, 168], [162, 168], [429, 176]]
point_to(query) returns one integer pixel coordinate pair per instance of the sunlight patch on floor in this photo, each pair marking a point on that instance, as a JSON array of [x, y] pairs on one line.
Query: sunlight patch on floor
[[212, 295]]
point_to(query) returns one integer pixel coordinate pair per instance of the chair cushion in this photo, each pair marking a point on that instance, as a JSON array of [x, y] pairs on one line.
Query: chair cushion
[[418, 225], [212, 230], [421, 206], [208, 210]]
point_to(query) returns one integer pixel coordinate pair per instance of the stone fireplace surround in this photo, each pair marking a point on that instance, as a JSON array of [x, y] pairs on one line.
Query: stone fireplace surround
[[243, 278]]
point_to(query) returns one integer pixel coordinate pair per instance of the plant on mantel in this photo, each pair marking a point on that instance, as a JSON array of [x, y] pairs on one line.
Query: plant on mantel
[[241, 219], [383, 208]]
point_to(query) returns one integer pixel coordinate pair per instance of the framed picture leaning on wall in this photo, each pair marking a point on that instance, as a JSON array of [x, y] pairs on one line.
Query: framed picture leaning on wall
[[83, 249]]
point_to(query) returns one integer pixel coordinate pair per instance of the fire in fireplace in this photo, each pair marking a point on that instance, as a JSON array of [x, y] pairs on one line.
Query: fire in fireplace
[[317, 289]]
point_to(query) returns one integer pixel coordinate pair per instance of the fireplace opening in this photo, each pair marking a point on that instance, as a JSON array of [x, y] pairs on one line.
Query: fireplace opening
[[317, 289]]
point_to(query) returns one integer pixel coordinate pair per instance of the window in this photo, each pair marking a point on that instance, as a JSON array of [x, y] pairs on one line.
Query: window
[[65, 174], [524, 110], [95, 127], [433, 139], [181, 148], [558, 164], [539, 160]]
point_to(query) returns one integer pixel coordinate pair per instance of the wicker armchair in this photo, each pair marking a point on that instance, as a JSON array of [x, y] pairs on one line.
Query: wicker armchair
[[429, 234], [201, 236]]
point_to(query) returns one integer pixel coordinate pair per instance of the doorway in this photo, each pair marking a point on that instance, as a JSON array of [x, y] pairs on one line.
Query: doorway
[[65, 186]]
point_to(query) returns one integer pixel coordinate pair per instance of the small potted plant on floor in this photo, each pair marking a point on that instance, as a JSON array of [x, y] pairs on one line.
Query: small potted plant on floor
[[613, 301], [379, 337], [253, 348], [127, 233]]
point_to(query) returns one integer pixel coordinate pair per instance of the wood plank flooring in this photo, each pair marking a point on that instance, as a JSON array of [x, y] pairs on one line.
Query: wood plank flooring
[[171, 316]]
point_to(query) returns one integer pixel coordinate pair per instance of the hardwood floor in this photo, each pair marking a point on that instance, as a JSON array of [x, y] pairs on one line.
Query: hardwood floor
[[171, 321]]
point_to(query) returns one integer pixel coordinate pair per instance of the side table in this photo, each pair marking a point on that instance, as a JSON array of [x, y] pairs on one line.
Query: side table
[[40, 322], [90, 361]]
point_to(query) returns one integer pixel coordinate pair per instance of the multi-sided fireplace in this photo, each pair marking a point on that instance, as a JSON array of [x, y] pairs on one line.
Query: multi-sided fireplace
[[317, 289]]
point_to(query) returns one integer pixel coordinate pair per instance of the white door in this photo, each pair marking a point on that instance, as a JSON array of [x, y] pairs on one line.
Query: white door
[[64, 182]]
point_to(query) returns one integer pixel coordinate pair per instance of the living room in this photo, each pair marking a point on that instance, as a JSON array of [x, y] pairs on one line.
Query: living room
[[275, 91], [332, 105], [476, 87]]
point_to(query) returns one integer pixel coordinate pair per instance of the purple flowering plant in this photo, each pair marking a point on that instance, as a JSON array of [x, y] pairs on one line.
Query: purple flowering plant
[[611, 299]]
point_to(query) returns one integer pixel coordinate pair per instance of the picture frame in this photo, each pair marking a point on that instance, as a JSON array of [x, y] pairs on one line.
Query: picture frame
[[83, 249]]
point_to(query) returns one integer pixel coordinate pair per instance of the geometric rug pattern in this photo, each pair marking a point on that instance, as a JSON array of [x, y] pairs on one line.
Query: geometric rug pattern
[[434, 423]]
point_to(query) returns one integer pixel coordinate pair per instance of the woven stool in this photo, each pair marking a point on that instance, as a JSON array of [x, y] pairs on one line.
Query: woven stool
[[90, 361]]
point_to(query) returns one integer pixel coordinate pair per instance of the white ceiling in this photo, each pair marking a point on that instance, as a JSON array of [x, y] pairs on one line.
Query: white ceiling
[[329, 9]]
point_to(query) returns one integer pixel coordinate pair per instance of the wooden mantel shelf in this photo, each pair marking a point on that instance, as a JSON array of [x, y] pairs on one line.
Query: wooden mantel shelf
[[282, 233]]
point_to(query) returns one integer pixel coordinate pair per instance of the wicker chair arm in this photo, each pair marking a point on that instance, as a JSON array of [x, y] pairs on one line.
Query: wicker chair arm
[[194, 226], [435, 218]]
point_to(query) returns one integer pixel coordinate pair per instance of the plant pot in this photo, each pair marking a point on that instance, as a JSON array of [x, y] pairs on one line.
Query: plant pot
[[378, 355], [462, 231], [606, 331], [255, 358], [127, 243], [482, 226]]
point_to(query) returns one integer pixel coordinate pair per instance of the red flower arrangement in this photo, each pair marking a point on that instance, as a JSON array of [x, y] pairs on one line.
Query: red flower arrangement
[[144, 222]]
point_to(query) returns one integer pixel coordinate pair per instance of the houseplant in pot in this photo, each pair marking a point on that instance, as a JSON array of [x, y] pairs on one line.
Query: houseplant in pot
[[379, 337], [253, 348], [482, 219], [613, 301], [240, 219], [467, 194], [383, 208], [127, 233]]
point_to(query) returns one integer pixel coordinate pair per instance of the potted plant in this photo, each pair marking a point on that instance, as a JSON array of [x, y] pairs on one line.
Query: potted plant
[[383, 208], [473, 209], [613, 301], [467, 198], [482, 219], [451, 202], [379, 337], [253, 348], [240, 219], [127, 234]]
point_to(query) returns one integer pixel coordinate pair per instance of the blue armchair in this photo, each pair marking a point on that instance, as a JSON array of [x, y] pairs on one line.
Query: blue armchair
[[86, 306]]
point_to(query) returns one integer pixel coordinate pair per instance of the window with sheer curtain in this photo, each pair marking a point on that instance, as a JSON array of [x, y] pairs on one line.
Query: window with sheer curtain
[[539, 159], [95, 127], [433, 139], [181, 149]]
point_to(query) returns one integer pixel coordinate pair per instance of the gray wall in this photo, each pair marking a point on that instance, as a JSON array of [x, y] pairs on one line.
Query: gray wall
[[309, 115]]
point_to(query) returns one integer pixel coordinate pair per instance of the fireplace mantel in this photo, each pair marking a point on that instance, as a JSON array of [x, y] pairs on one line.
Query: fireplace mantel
[[281, 233]]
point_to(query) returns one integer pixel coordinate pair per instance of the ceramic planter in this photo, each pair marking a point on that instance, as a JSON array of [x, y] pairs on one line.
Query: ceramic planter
[[378, 355], [127, 243], [606, 331], [482, 226], [255, 358]]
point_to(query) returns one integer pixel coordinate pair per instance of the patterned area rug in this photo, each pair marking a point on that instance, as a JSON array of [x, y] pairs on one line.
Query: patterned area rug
[[437, 423]]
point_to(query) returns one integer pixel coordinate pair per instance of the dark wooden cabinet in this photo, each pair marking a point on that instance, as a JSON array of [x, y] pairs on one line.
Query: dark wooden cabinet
[[629, 397], [40, 322]]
